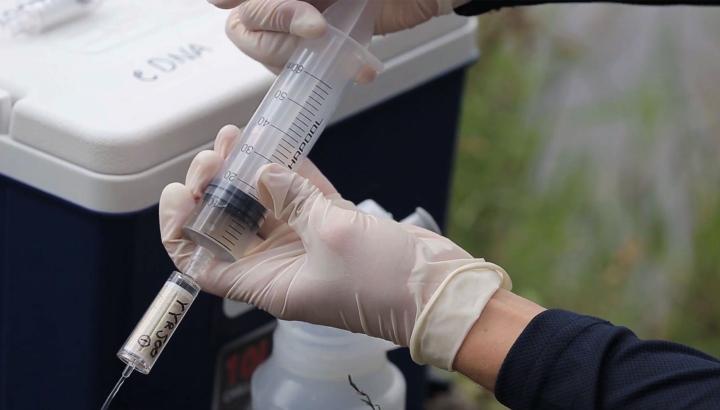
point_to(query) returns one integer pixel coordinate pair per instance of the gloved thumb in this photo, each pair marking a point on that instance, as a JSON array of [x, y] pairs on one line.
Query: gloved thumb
[[289, 196], [283, 16]]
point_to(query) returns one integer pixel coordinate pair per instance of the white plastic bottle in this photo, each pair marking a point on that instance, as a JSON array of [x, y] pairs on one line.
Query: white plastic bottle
[[310, 364]]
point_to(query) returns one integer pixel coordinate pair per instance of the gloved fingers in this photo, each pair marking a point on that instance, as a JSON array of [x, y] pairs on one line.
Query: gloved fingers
[[225, 4], [399, 15], [264, 277], [309, 170], [442, 247], [269, 30], [340, 202], [207, 163], [177, 200], [201, 171], [366, 75], [219, 276], [448, 6], [176, 204], [288, 196], [295, 17], [225, 139], [272, 49]]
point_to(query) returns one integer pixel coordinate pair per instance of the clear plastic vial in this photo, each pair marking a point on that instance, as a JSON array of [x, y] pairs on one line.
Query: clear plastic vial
[[152, 333]]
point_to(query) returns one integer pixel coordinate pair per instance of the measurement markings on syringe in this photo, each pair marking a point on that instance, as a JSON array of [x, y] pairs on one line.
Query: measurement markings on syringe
[[303, 107], [279, 129], [231, 176], [262, 156], [230, 241], [318, 94], [292, 124], [320, 80], [281, 95], [286, 145], [296, 68], [321, 89], [316, 101], [296, 133], [299, 131], [301, 122], [239, 229], [314, 107], [305, 116], [281, 154], [231, 234], [286, 150]]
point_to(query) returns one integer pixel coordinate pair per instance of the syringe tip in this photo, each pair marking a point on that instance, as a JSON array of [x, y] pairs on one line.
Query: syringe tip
[[125, 374]]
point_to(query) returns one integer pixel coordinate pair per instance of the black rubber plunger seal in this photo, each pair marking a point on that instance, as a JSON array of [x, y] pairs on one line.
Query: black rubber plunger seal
[[246, 209]]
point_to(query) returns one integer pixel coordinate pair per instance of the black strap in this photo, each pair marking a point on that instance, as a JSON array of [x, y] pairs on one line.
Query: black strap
[[475, 7]]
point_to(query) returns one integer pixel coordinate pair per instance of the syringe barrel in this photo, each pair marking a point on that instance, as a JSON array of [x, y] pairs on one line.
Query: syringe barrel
[[152, 333], [283, 130]]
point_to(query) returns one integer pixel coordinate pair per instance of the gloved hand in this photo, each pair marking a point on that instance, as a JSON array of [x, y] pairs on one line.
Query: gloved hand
[[268, 30], [322, 261]]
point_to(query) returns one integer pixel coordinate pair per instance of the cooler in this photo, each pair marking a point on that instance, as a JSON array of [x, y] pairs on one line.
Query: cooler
[[97, 116]]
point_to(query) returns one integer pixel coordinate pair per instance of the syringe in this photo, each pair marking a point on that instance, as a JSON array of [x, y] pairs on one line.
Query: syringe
[[283, 129]]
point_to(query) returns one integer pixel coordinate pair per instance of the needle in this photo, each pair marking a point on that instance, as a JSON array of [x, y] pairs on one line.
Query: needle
[[125, 374]]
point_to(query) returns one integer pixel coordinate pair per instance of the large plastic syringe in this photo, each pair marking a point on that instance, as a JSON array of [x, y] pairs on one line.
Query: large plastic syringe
[[284, 128]]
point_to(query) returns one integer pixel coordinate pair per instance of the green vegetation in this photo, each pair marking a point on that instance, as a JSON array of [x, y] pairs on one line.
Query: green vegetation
[[614, 256]]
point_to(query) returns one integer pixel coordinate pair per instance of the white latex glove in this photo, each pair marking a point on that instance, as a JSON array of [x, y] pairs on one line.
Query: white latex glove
[[324, 262], [268, 30]]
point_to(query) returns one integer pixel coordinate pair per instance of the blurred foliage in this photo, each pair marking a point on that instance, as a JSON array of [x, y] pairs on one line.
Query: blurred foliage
[[567, 240]]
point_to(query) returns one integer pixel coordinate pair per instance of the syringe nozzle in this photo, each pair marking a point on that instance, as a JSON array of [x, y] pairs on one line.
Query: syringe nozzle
[[125, 374]]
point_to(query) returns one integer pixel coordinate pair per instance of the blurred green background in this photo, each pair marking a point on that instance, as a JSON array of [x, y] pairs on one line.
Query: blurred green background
[[588, 165]]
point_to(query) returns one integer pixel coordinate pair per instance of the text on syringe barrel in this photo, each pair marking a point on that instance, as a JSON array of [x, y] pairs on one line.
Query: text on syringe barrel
[[292, 115], [152, 333], [283, 130]]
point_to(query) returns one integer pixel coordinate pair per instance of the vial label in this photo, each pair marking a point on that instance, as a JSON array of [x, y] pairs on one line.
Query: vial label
[[159, 322]]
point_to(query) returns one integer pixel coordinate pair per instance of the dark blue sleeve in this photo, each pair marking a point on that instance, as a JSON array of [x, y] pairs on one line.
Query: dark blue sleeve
[[482, 6], [563, 360]]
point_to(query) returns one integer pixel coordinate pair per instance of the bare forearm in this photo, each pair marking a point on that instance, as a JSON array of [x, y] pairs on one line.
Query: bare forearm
[[487, 344], [560, 359]]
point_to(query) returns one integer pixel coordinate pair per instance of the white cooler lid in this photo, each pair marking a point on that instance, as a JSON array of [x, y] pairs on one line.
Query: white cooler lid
[[105, 111]]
